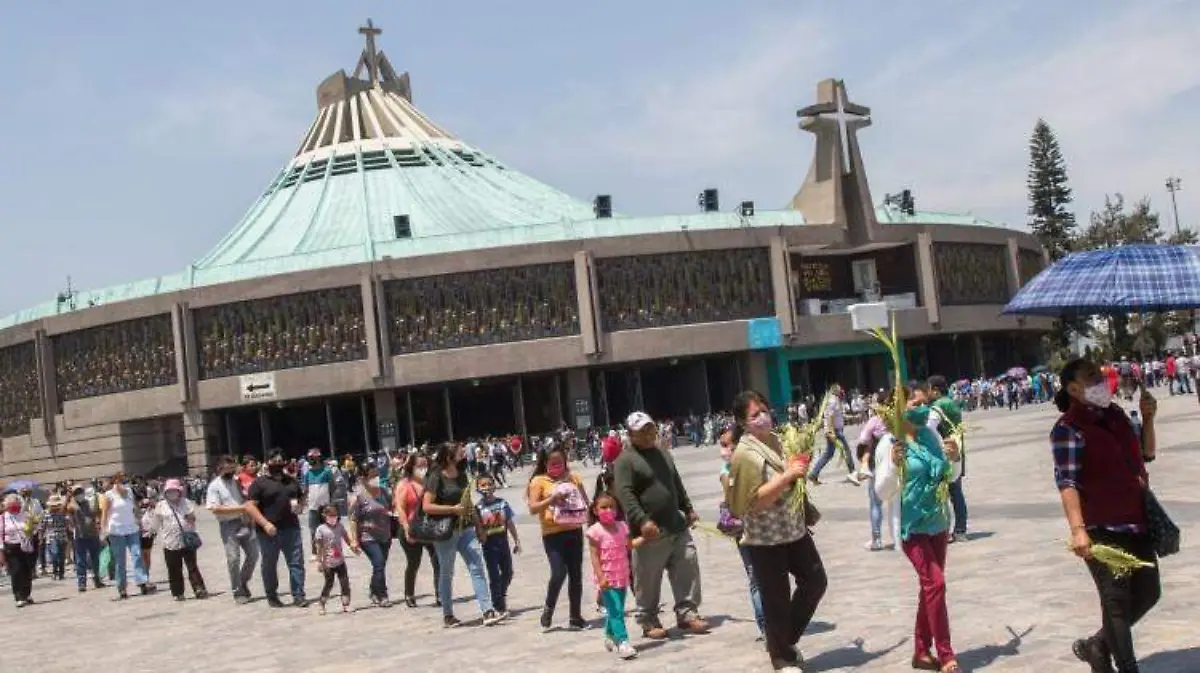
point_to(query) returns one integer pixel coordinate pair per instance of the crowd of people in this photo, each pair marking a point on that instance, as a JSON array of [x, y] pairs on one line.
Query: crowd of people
[[634, 526]]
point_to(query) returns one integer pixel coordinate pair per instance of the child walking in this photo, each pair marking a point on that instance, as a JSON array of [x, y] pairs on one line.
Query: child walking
[[331, 560], [495, 525], [610, 543]]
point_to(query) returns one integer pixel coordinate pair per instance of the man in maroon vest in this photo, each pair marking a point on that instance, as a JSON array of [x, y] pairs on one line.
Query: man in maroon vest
[[1100, 470]]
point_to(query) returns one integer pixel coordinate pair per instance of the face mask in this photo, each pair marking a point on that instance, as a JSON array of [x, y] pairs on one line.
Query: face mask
[[172, 496], [556, 471], [487, 492], [1098, 396], [420, 472], [14, 509], [761, 422], [373, 482], [607, 517], [275, 468]]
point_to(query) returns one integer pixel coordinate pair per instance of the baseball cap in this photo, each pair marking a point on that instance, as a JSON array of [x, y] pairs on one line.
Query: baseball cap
[[638, 420]]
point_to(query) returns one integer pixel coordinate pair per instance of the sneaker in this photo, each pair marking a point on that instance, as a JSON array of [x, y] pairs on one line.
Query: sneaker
[[241, 600], [82, 590], [601, 610], [609, 644], [99, 585], [626, 651], [122, 594], [866, 475], [450, 622], [147, 589], [321, 607], [385, 602], [299, 603], [274, 601], [410, 601], [179, 599], [852, 479], [546, 619], [21, 604], [814, 480], [694, 626], [492, 618], [578, 624], [202, 595], [654, 631], [959, 537], [874, 545]]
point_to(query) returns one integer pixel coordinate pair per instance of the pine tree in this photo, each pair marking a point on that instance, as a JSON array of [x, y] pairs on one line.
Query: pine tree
[[1049, 193]]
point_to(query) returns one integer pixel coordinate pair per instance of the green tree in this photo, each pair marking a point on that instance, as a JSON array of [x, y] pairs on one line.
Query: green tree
[[1049, 193]]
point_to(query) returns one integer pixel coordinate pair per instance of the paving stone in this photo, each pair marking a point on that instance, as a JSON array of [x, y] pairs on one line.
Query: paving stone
[[1017, 598]]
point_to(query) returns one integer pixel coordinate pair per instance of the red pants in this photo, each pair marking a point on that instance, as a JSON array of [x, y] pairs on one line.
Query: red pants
[[928, 555]]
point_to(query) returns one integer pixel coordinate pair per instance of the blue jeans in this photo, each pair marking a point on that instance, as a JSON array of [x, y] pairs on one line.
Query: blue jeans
[[755, 597], [462, 543], [959, 502], [87, 557], [285, 541], [131, 544], [57, 550], [876, 510], [498, 557], [377, 553], [827, 455]]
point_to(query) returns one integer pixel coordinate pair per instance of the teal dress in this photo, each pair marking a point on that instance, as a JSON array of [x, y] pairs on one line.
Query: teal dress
[[922, 510]]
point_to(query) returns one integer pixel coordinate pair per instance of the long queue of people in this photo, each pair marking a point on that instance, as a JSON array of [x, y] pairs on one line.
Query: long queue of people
[[636, 525]]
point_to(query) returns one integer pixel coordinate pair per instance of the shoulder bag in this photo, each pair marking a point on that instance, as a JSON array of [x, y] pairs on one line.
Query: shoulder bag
[[426, 529], [1164, 534], [191, 539]]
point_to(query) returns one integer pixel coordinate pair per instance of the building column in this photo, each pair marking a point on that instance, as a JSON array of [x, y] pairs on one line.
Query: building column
[[781, 285], [449, 412], [602, 386], [329, 426], [639, 401], [977, 354], [579, 388], [589, 321], [43, 350], [412, 428], [264, 432], [231, 443], [927, 274], [376, 343], [386, 418], [200, 431], [558, 410], [1013, 266], [366, 423], [708, 407], [519, 407]]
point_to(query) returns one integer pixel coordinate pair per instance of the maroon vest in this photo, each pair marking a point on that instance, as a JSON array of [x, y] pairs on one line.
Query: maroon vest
[[1112, 470]]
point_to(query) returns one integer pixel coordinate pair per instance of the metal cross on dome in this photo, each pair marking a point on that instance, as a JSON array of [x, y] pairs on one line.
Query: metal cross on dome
[[844, 114], [370, 31]]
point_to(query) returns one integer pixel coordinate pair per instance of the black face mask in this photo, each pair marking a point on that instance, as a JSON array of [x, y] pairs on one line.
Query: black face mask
[[227, 475], [275, 469]]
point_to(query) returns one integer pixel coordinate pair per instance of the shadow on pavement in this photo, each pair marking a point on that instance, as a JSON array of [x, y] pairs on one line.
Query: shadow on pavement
[[981, 657], [1174, 661], [850, 656]]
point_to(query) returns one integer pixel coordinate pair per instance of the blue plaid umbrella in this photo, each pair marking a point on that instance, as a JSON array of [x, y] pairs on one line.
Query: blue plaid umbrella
[[1126, 279]]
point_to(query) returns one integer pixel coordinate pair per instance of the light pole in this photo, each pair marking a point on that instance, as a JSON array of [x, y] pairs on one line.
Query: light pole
[[1172, 187]]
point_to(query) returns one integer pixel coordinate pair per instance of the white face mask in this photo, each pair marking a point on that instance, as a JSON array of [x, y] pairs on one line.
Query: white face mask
[[419, 473], [1098, 395]]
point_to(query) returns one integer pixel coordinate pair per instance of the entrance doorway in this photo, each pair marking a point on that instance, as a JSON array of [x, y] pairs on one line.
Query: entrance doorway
[[483, 408]]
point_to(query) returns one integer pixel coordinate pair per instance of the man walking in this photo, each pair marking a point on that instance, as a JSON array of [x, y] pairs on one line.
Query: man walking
[[225, 500], [272, 503], [657, 508], [947, 415], [315, 482], [835, 432], [83, 519]]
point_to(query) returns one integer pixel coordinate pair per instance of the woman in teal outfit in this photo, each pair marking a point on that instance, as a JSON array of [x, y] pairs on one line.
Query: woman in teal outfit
[[927, 470]]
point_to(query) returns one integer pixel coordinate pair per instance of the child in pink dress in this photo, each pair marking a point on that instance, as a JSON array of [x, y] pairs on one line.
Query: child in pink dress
[[609, 541]]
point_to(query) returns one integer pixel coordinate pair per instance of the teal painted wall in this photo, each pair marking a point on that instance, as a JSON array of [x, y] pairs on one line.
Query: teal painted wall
[[779, 376]]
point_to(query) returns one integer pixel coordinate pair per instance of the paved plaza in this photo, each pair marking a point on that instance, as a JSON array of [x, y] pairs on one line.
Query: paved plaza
[[1017, 598]]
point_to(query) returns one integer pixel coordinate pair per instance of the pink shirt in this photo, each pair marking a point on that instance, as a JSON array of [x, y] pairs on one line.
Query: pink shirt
[[872, 431], [614, 555]]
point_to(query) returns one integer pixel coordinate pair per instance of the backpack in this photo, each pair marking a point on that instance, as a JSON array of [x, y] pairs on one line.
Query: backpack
[[572, 511]]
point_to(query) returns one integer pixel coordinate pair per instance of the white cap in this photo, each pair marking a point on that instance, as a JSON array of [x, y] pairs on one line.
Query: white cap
[[638, 420]]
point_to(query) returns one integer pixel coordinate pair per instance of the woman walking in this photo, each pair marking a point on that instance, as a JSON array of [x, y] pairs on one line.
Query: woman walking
[[121, 522], [927, 470], [371, 528], [761, 484], [174, 519], [16, 548], [1100, 470], [406, 497], [556, 497], [448, 495]]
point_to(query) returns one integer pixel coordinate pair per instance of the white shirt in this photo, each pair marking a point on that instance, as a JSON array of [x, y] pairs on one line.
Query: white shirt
[[122, 514], [222, 493]]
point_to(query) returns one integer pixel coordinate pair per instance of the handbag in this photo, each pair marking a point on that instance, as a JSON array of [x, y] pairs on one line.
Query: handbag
[[1164, 534], [425, 529], [727, 523], [191, 539], [812, 515]]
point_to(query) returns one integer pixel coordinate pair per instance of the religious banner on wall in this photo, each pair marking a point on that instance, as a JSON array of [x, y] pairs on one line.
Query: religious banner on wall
[[815, 277]]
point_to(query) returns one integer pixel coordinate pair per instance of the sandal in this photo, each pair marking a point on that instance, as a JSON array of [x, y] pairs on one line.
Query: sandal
[[952, 667], [926, 663]]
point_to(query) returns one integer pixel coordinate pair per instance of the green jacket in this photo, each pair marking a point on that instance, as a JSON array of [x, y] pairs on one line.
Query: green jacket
[[648, 488], [947, 408]]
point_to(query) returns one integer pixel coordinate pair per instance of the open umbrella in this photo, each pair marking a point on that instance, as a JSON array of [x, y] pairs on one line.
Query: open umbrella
[[19, 484], [1039, 369], [1016, 373], [1144, 278]]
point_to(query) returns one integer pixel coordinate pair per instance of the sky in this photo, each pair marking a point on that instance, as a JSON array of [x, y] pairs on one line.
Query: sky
[[136, 134]]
